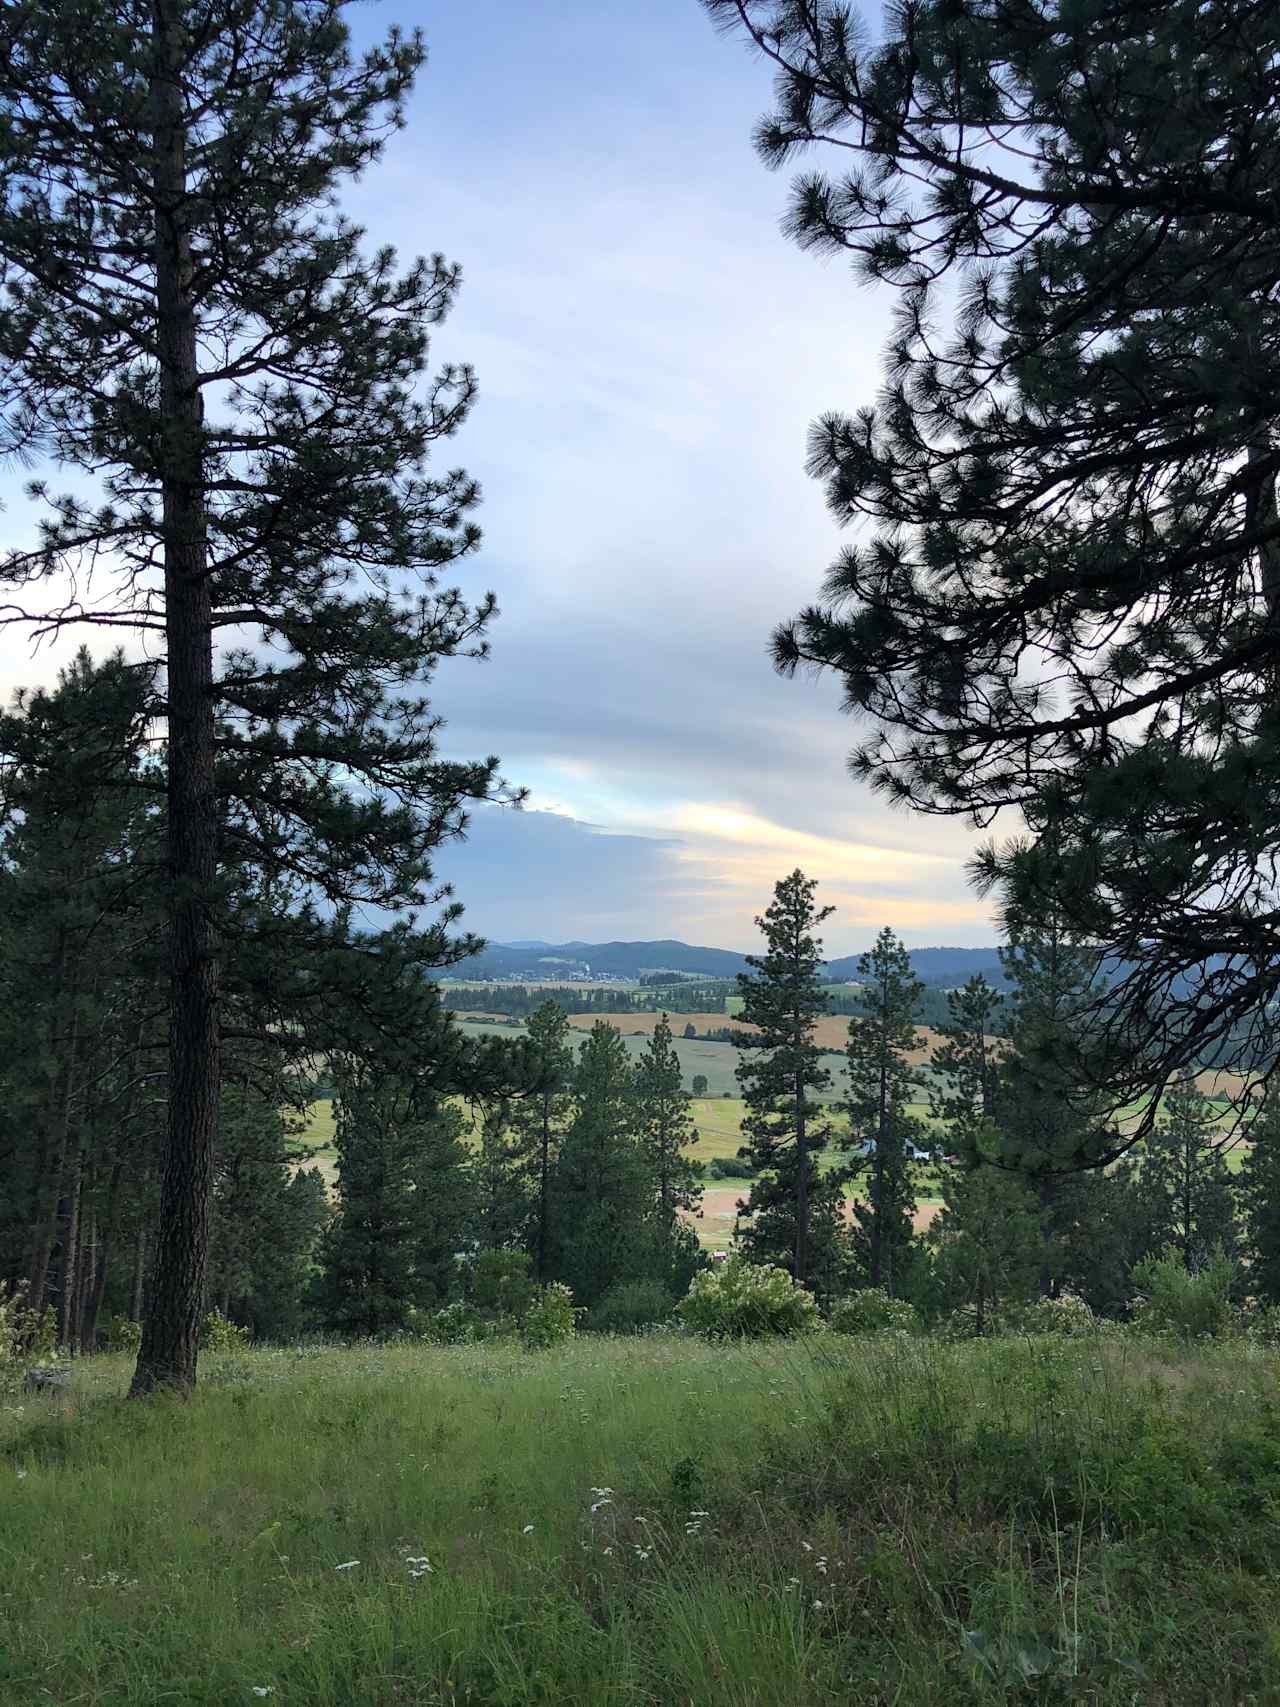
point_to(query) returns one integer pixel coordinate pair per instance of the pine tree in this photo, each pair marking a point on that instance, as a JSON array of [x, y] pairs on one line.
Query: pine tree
[[502, 1186], [602, 1223], [1066, 603], [540, 1117], [880, 1085], [402, 1203], [966, 1065], [1260, 1202], [190, 322], [796, 1213], [1183, 1181], [666, 1131], [1048, 1125], [985, 1240]]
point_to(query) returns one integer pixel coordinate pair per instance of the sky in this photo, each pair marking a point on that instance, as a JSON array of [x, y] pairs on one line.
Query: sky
[[650, 352]]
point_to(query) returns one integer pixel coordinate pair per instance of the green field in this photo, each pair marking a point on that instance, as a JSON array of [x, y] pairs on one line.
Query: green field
[[651, 1523]]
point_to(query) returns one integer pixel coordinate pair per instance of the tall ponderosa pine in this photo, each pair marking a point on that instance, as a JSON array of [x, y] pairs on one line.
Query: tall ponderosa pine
[[539, 1119], [985, 1242], [666, 1131], [1068, 601], [796, 1213], [880, 1085], [188, 320]]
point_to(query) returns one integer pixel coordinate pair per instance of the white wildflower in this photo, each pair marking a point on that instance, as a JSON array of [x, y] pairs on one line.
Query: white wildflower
[[349, 1566], [527, 1530], [264, 1689]]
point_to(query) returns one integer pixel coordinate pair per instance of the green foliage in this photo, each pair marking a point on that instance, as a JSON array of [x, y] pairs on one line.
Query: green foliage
[[732, 1167], [539, 1121], [501, 1283], [1065, 1316], [26, 1335], [795, 1212], [1260, 1201], [403, 1209], [551, 1319], [985, 1241], [122, 1334], [1185, 1193], [736, 1299], [880, 1086], [459, 1323], [699, 1084], [1189, 1305], [665, 1130], [1086, 281], [632, 1306], [872, 1310], [219, 1334]]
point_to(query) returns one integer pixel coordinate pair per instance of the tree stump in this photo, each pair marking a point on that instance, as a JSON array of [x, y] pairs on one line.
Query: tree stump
[[47, 1379]]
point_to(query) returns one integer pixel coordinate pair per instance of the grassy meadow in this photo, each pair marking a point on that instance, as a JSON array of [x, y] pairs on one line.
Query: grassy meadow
[[654, 1522]]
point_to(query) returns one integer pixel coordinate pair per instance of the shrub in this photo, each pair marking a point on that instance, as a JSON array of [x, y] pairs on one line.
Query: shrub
[[501, 1283], [219, 1334], [122, 1334], [1192, 1306], [1263, 1325], [24, 1334], [630, 1306], [699, 1084], [551, 1319], [454, 1324], [732, 1167], [1067, 1315], [737, 1300], [873, 1311]]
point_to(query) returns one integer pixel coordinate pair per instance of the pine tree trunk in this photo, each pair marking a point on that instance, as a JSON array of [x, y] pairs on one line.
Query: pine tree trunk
[[52, 1190], [138, 1301], [167, 1356], [802, 1191], [543, 1184], [70, 1255]]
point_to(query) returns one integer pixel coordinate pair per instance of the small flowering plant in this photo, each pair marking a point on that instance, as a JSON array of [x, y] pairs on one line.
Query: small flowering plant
[[741, 1300]]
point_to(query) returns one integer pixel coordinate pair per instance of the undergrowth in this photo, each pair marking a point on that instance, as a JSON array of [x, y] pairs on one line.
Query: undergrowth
[[652, 1520]]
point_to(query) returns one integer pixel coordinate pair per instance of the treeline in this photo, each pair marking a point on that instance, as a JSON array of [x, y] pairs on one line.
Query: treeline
[[1041, 1195], [521, 1000], [84, 1021]]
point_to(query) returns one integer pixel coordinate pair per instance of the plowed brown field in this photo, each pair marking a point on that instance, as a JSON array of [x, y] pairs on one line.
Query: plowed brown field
[[832, 1032]]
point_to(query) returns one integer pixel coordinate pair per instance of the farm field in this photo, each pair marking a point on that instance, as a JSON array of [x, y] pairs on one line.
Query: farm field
[[831, 1031], [651, 1523]]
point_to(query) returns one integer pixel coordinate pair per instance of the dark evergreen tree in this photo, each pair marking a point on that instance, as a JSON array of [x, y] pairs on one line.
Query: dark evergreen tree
[[1184, 1186], [1260, 1202], [1068, 596], [540, 1117], [602, 1223], [883, 1135], [503, 1188], [267, 1216], [1048, 1125], [666, 1131], [985, 1242], [966, 1065], [796, 1213], [403, 1203], [188, 320]]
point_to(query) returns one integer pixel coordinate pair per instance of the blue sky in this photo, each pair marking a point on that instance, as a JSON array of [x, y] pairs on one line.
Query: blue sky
[[650, 352]]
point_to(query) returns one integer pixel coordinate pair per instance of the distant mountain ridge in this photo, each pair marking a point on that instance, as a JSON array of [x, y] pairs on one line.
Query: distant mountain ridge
[[945, 966]]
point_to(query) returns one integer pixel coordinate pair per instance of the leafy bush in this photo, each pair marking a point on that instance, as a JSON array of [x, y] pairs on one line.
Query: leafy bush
[[873, 1311], [631, 1306], [501, 1283], [24, 1334], [551, 1319], [454, 1324], [1263, 1325], [218, 1334], [122, 1334], [732, 1167], [738, 1300], [1067, 1315], [1192, 1306]]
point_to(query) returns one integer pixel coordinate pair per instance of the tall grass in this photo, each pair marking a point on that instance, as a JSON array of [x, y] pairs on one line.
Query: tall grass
[[651, 1521]]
